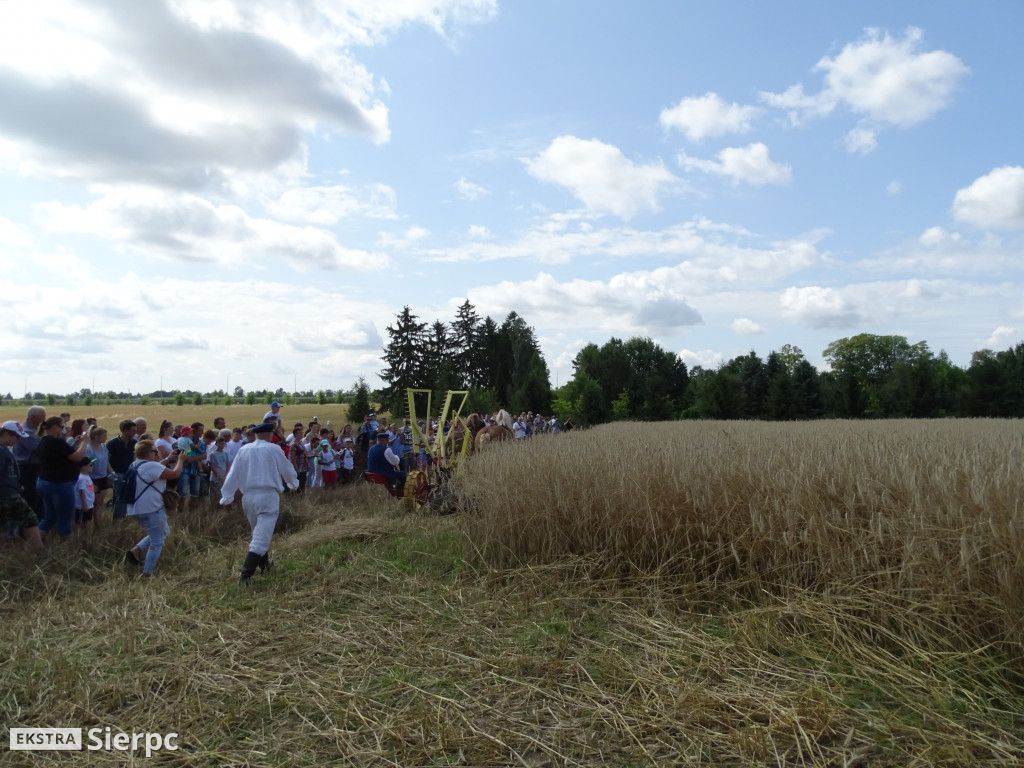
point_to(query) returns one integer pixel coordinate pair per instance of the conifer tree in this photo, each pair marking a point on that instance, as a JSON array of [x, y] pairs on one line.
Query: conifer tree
[[406, 359]]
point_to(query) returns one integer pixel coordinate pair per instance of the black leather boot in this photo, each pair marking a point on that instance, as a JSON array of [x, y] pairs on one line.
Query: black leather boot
[[252, 560], [265, 563]]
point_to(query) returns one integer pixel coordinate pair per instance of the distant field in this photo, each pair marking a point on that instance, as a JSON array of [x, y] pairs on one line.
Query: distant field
[[236, 415]]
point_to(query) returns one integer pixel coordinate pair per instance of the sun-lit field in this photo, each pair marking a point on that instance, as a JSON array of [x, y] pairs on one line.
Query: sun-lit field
[[829, 594], [930, 513]]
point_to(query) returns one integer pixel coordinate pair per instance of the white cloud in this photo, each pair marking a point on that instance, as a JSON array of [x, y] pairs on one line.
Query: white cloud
[[1000, 337], [713, 255], [600, 176], [937, 237], [468, 190], [635, 302], [326, 205], [894, 187], [993, 201], [705, 358], [405, 239], [187, 227], [746, 327], [938, 251], [708, 115], [750, 164], [888, 81], [193, 94], [183, 341], [818, 307], [478, 232], [12, 233], [345, 333], [87, 322], [862, 140]]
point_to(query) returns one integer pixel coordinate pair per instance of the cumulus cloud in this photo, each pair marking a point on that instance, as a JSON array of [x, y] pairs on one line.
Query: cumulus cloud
[[479, 232], [468, 190], [818, 307], [750, 165], [187, 227], [708, 115], [994, 201], [1000, 337], [746, 327], [190, 94], [889, 81], [635, 302], [705, 358], [938, 237], [600, 176]]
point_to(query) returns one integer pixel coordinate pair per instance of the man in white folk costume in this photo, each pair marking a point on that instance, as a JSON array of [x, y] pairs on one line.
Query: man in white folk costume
[[260, 471]]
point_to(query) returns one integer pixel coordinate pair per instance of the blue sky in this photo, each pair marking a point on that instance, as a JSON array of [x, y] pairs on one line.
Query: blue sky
[[195, 194]]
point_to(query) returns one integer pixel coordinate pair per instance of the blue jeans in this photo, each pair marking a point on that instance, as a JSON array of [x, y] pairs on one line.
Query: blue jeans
[[188, 483], [157, 529], [58, 506]]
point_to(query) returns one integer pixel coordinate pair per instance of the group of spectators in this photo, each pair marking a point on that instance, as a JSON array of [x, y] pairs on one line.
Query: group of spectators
[[528, 423], [59, 472]]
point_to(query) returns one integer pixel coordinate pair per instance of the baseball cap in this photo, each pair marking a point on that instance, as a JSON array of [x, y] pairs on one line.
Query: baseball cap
[[15, 427]]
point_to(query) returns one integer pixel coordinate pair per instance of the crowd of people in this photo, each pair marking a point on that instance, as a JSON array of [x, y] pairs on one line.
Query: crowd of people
[[59, 473]]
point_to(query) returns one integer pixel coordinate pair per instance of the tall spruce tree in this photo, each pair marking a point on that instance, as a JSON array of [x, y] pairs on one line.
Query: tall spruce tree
[[488, 358], [441, 372], [406, 360], [465, 333], [523, 379]]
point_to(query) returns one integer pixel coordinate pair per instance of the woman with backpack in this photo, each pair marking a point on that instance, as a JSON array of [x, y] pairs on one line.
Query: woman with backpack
[[146, 501]]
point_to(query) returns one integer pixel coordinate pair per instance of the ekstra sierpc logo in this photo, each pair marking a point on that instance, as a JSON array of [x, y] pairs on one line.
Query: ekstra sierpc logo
[[70, 739]]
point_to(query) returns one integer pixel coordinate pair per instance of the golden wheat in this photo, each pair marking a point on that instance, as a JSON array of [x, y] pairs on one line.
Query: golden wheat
[[928, 514]]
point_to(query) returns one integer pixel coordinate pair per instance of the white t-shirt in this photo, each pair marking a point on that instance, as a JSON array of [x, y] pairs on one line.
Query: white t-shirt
[[149, 488], [84, 483], [163, 441], [327, 457]]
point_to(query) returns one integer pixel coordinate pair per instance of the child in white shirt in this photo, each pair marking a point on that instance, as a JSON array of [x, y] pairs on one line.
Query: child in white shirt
[[85, 493]]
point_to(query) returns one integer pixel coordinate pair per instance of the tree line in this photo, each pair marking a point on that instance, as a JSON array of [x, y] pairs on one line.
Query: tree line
[[500, 365], [867, 376]]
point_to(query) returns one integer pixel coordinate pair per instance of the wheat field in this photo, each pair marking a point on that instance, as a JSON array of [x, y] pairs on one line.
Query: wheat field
[[926, 515], [741, 594]]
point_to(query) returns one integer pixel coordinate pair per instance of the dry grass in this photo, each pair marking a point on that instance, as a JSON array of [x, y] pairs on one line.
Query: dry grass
[[382, 639]]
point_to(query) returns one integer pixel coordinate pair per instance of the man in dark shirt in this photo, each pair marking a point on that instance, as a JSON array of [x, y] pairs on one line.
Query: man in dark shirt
[[121, 450], [15, 513]]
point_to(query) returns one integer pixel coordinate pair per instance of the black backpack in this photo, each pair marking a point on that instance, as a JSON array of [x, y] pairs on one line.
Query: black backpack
[[131, 484]]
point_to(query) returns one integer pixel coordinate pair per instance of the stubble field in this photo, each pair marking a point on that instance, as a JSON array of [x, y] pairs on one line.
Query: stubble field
[[840, 594]]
